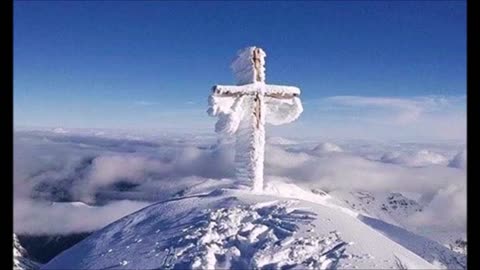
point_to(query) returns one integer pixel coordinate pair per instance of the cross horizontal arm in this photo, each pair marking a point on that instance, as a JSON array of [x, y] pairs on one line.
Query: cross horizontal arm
[[278, 96], [281, 90], [236, 90], [281, 96], [275, 91]]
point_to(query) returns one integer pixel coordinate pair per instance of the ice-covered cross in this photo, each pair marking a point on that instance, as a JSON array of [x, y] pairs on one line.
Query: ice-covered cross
[[243, 109]]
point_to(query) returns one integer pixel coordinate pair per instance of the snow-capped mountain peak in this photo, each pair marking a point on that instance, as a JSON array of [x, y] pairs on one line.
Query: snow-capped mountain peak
[[20, 257]]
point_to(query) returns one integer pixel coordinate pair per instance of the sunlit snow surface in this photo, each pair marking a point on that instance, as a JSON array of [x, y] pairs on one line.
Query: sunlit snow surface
[[236, 229], [328, 204]]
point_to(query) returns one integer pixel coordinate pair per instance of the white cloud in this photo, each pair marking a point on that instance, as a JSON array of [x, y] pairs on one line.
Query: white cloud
[[337, 170], [52, 167], [33, 217], [110, 169], [407, 118], [406, 110], [415, 159], [448, 209]]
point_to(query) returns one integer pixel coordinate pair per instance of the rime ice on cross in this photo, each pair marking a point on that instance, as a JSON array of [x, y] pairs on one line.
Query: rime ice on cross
[[243, 110]]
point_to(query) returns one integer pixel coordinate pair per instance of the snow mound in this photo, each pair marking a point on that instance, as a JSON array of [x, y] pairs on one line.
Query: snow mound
[[459, 160], [417, 159], [238, 229], [326, 148]]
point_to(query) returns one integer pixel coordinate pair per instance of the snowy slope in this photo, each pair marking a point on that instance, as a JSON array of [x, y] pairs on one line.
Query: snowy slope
[[284, 226], [391, 207], [397, 209], [20, 257]]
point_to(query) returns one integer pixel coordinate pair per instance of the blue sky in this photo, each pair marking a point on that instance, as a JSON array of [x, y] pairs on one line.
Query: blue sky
[[150, 65]]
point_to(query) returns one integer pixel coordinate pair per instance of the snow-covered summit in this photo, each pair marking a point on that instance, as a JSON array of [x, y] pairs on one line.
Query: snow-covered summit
[[282, 227], [326, 147]]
